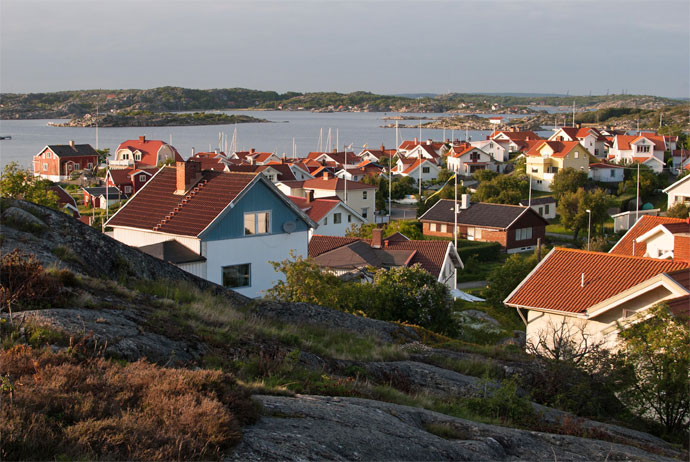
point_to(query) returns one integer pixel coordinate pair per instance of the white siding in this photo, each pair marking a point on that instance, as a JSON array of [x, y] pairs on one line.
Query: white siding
[[196, 268], [258, 251], [139, 238]]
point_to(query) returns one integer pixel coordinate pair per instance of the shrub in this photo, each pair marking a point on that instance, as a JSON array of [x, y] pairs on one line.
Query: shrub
[[55, 407], [483, 251], [24, 283]]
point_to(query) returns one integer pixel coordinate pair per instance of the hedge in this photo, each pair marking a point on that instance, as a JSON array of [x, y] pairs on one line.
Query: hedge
[[483, 251]]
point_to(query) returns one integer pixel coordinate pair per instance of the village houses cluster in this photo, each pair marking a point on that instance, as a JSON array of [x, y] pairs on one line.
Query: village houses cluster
[[226, 216]]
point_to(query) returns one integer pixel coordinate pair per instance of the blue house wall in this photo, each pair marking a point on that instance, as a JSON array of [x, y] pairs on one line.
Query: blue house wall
[[259, 199]]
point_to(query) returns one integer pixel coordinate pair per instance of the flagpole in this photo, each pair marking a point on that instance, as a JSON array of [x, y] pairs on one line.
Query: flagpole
[[455, 228]]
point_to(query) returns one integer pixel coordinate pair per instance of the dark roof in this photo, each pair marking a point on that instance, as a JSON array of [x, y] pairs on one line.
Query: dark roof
[[64, 197], [539, 201], [74, 151], [157, 200], [101, 190], [172, 251], [478, 214]]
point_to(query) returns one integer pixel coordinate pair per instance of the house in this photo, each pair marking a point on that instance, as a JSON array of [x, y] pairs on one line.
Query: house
[[252, 157], [667, 241], [466, 159], [594, 293], [429, 149], [359, 196], [625, 220], [516, 228], [235, 224], [495, 149], [348, 255], [143, 153], [514, 139], [647, 149], [335, 159], [425, 169], [377, 155], [65, 201], [630, 244], [57, 162], [546, 158], [330, 213], [678, 192], [102, 197], [590, 138], [681, 160], [606, 173], [130, 179], [544, 206], [353, 174]]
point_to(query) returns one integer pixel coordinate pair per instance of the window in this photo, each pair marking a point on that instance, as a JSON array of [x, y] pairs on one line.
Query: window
[[125, 156], [48, 155], [364, 194], [535, 170], [643, 148], [349, 218], [444, 228], [142, 178], [128, 189], [365, 212], [596, 152], [522, 234], [45, 166], [613, 173], [77, 166], [541, 211], [577, 155], [137, 156], [325, 221], [257, 223], [89, 165], [425, 169], [432, 227], [546, 209], [337, 218], [237, 276]]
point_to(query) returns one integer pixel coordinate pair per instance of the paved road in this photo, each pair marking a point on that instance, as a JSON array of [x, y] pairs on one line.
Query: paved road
[[560, 236], [472, 284]]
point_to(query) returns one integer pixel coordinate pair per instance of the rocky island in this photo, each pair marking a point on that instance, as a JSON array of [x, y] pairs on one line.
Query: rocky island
[[157, 119]]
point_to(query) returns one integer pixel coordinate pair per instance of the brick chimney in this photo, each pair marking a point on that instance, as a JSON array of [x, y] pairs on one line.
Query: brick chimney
[[310, 196], [376, 238], [326, 176], [415, 140], [188, 174], [71, 144], [252, 150], [142, 138], [383, 149]]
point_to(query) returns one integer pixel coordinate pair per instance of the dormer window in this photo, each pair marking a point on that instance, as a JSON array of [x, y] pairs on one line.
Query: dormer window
[[137, 156]]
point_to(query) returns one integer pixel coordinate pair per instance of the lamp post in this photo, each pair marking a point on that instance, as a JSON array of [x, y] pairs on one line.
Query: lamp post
[[589, 227]]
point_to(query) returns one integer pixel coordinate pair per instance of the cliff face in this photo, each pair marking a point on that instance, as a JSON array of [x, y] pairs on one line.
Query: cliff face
[[129, 305]]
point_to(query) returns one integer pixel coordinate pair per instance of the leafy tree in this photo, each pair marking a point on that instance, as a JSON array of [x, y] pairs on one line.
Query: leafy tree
[[504, 279], [656, 352], [503, 189], [410, 228], [20, 183], [649, 182], [362, 231], [444, 175], [103, 155], [573, 206], [678, 210], [568, 180], [484, 175]]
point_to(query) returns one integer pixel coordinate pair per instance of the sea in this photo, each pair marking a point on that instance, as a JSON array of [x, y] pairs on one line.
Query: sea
[[288, 131]]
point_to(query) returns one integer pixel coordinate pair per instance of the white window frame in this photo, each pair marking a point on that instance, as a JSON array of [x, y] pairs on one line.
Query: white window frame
[[45, 166], [248, 275], [365, 212], [364, 194], [523, 234], [337, 218], [255, 215]]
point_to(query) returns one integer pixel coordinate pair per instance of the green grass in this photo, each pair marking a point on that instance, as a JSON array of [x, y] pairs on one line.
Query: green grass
[[558, 229]]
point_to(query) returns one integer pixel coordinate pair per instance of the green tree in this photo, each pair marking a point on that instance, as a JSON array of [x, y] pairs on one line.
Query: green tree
[[503, 189], [412, 229], [649, 182], [678, 210], [572, 207], [568, 180], [504, 279], [484, 175], [20, 183], [103, 155], [656, 352]]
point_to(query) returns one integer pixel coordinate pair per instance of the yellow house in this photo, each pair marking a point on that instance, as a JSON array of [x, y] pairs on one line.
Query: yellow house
[[546, 158]]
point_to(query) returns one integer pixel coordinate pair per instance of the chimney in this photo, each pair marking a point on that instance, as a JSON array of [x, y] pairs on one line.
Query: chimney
[[429, 141], [335, 150], [252, 151], [193, 151], [415, 140], [578, 125], [376, 238], [142, 138], [188, 173], [71, 143], [464, 201], [382, 148], [310, 196], [326, 176], [517, 129]]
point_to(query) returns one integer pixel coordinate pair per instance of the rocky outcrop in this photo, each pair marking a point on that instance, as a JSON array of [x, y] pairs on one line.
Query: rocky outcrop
[[156, 119], [330, 428]]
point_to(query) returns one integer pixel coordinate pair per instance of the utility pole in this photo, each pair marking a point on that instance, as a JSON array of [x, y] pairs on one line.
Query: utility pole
[[589, 227], [637, 209], [455, 227]]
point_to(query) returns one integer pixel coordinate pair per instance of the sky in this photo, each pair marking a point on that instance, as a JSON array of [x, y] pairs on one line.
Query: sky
[[388, 47]]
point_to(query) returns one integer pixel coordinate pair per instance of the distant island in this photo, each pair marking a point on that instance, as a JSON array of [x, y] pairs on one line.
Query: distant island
[[157, 119], [79, 103]]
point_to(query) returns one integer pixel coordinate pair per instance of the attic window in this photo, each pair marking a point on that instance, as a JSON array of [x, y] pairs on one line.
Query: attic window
[[257, 223], [137, 156]]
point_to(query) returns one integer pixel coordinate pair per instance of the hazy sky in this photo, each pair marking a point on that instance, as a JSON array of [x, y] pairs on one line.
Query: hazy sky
[[554, 46]]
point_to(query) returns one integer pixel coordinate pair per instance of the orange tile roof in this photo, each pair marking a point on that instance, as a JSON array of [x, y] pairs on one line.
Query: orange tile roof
[[317, 208], [646, 222], [556, 283], [149, 150], [624, 141], [526, 135], [560, 148]]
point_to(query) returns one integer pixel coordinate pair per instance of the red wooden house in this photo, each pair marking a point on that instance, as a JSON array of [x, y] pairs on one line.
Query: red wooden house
[[57, 162], [129, 180]]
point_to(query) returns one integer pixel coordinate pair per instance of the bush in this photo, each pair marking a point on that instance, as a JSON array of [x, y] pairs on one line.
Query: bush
[[23, 282], [483, 251], [55, 407]]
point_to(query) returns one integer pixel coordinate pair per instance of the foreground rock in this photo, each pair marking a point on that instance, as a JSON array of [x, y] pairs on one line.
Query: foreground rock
[[328, 428]]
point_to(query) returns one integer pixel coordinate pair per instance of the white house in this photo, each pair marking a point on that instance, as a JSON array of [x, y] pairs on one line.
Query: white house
[[544, 206], [625, 220], [628, 149], [493, 148], [606, 173], [425, 169], [590, 138], [466, 159], [678, 191], [223, 227], [142, 153], [331, 214]]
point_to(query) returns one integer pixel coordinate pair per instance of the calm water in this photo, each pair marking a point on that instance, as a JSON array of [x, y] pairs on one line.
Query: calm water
[[30, 136]]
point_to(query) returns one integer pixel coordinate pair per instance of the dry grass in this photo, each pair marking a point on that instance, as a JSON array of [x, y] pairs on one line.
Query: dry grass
[[53, 406]]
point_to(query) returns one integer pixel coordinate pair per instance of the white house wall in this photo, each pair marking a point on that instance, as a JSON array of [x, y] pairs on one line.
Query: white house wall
[[137, 238], [257, 250], [195, 268], [337, 229], [680, 193]]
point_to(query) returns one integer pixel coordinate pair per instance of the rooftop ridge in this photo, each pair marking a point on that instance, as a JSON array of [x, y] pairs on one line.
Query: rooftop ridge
[[615, 255], [193, 192]]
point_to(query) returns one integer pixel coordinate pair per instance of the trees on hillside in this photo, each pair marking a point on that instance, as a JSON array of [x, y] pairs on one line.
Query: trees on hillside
[[568, 180], [503, 189], [504, 279], [573, 206], [20, 183]]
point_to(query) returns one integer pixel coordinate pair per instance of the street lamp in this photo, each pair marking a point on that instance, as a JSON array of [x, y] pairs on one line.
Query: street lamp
[[589, 227]]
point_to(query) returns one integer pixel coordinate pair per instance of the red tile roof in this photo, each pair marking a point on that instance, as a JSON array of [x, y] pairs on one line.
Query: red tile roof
[[624, 141], [560, 148], [317, 208], [330, 184], [556, 283], [150, 206], [604, 165], [149, 150], [526, 135], [646, 222]]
